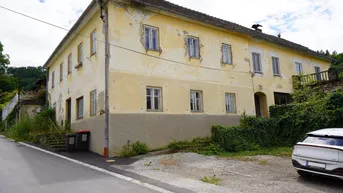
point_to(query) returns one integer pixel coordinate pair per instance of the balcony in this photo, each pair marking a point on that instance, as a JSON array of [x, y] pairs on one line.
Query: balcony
[[331, 75]]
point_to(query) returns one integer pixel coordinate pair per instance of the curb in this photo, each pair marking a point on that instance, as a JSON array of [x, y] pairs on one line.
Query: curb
[[158, 189]]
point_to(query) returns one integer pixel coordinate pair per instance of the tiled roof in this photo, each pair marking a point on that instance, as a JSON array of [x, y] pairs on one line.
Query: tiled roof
[[198, 16]]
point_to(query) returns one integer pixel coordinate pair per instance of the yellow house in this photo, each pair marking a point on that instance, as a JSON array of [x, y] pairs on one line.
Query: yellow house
[[173, 73]]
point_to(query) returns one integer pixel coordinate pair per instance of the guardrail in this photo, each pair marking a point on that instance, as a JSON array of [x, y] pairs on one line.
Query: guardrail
[[328, 75]]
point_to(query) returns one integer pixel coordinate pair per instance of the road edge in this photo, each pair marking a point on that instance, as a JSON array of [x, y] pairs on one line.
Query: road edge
[[129, 179]]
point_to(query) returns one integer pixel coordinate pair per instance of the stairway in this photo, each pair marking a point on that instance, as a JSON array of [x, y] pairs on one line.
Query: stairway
[[55, 142]]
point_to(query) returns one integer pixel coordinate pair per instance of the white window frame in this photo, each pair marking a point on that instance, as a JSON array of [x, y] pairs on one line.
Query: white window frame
[[299, 68], [70, 63], [93, 43], [230, 103], [80, 53], [93, 99], [276, 66], [226, 54], [152, 97], [257, 67], [196, 103], [193, 47], [150, 34], [79, 108]]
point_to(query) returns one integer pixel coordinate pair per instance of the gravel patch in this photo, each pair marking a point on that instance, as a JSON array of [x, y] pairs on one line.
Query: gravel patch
[[258, 174]]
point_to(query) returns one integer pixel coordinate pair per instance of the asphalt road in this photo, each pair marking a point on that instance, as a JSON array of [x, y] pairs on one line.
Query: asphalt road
[[25, 170]]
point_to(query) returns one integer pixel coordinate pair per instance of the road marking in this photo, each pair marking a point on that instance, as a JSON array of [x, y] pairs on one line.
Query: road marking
[[158, 189]]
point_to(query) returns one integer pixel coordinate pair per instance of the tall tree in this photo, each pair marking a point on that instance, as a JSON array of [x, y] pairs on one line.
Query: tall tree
[[4, 59]]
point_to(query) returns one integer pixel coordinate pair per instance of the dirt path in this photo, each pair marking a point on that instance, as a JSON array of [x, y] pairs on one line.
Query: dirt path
[[258, 174]]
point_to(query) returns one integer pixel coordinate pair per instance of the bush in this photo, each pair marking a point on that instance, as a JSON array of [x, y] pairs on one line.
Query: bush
[[130, 150], [287, 125]]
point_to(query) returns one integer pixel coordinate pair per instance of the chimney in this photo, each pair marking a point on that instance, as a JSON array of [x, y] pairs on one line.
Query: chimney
[[256, 27]]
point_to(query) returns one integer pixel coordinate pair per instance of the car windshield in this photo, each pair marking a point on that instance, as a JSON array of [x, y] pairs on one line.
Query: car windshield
[[324, 140]]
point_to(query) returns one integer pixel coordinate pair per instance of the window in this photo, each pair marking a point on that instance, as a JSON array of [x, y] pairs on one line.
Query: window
[[79, 108], [335, 141], [151, 38], [79, 54], [196, 101], [256, 58], [61, 71], [230, 103], [70, 65], [53, 79], [93, 42], [276, 66], [226, 54], [93, 102], [193, 47], [317, 71], [299, 68], [282, 98], [153, 99]]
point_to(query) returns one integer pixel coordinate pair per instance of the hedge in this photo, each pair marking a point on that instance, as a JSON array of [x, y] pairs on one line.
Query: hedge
[[287, 125]]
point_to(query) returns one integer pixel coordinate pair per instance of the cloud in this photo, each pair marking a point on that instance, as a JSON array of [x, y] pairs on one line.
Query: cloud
[[312, 23]]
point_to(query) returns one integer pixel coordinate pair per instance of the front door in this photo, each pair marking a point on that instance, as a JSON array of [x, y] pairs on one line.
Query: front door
[[68, 118], [258, 105]]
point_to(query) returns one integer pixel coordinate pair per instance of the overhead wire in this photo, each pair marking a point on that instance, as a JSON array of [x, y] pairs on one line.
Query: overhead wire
[[118, 46]]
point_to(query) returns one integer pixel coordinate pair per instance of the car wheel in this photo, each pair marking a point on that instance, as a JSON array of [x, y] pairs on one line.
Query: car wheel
[[304, 174]]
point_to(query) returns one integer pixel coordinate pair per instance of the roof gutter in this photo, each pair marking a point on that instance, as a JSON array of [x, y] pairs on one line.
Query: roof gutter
[[70, 32]]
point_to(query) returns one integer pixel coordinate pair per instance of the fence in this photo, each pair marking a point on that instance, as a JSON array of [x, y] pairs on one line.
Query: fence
[[9, 107], [328, 75]]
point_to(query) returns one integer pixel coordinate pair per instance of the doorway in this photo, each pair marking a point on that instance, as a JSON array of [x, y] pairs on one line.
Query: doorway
[[261, 106], [68, 114]]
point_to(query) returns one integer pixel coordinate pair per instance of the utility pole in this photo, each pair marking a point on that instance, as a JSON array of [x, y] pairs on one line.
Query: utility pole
[[103, 6]]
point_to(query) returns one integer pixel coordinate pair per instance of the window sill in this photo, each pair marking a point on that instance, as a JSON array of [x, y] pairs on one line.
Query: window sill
[[197, 112], [277, 75], [231, 113], [196, 58], [154, 111], [258, 72], [224, 63], [153, 50], [93, 54]]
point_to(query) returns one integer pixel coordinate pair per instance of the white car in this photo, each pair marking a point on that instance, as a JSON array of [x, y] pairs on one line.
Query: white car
[[320, 153]]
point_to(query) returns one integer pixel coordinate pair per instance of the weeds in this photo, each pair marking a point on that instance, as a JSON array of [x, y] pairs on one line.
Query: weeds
[[211, 180], [130, 150], [263, 162]]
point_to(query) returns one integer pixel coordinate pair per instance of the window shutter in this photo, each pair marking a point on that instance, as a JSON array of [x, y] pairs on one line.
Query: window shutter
[[190, 47], [254, 58], [146, 34], [155, 39], [196, 48], [229, 54]]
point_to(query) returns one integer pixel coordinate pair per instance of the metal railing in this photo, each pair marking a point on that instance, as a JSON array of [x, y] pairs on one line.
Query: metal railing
[[328, 75]]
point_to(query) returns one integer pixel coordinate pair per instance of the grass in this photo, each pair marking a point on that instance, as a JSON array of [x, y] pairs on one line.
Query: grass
[[211, 180], [204, 146], [275, 151], [263, 162]]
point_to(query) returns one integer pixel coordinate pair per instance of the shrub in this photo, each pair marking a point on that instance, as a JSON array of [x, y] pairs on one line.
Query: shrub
[[130, 150], [287, 125], [140, 148]]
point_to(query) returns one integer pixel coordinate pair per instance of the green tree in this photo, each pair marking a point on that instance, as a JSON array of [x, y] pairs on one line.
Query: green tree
[[4, 59]]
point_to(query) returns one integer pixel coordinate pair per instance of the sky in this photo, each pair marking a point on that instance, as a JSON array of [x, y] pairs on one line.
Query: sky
[[317, 24]]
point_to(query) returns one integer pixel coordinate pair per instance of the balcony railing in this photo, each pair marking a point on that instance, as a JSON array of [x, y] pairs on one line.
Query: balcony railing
[[328, 75]]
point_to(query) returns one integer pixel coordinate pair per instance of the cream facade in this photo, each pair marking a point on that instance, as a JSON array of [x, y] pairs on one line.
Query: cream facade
[[169, 69]]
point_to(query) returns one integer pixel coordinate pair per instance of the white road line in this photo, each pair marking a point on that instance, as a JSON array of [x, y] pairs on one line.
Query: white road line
[[158, 189]]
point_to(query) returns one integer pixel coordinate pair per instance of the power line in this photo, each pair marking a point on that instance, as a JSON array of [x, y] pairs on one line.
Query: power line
[[121, 47]]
